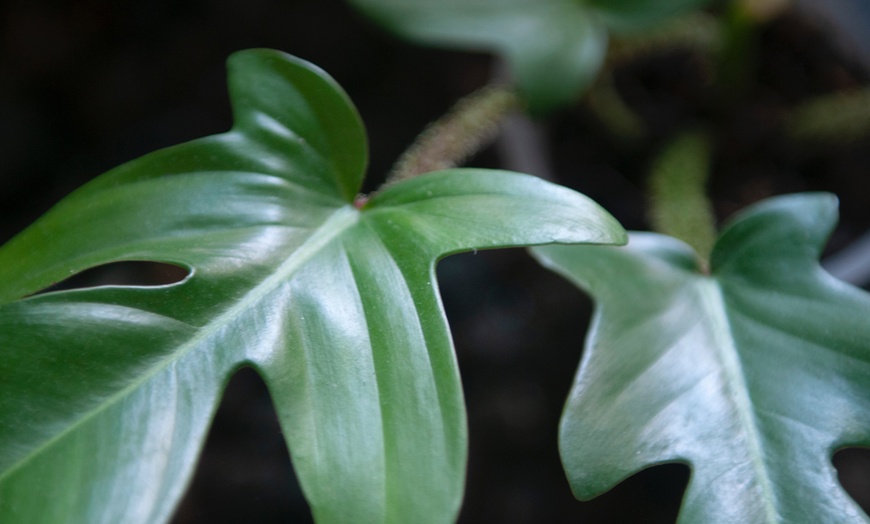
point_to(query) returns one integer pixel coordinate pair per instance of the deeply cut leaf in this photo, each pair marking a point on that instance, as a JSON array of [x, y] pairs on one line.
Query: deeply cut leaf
[[753, 375], [554, 47], [106, 393]]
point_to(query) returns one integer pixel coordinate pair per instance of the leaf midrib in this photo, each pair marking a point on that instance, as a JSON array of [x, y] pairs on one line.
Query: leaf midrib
[[726, 353], [338, 222]]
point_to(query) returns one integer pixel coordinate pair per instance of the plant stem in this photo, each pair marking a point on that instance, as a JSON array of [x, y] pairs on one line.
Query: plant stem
[[467, 128], [739, 54], [700, 33], [842, 117], [608, 105], [678, 203]]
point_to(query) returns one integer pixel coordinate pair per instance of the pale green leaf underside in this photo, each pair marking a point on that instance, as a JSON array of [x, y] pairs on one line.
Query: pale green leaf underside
[[753, 376], [554, 47], [106, 394]]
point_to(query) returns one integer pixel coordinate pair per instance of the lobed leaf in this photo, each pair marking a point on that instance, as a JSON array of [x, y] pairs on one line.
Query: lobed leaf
[[753, 375], [106, 394]]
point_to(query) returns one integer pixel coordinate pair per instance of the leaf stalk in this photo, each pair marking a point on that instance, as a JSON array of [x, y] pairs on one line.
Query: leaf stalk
[[679, 206], [468, 127]]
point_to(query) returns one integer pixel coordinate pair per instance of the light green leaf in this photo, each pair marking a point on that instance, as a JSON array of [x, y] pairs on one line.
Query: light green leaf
[[106, 394], [753, 375], [554, 47]]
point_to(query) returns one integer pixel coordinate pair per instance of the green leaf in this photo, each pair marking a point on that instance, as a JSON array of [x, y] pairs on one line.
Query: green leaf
[[106, 393], [753, 375], [554, 47]]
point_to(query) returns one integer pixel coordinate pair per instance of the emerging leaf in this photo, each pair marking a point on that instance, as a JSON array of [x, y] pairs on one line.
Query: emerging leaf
[[106, 393], [753, 375], [554, 47]]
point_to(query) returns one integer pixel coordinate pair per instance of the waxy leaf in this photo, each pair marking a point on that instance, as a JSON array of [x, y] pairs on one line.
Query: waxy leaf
[[753, 375], [554, 47], [106, 393]]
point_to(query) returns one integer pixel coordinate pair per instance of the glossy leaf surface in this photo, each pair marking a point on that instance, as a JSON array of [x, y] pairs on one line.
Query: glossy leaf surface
[[753, 375], [106, 393], [554, 47]]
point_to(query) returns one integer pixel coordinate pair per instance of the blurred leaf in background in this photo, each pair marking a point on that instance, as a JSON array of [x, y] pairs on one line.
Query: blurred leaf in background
[[554, 47]]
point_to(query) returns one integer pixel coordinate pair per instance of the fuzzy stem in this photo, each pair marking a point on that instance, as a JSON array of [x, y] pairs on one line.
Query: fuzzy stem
[[471, 125], [617, 116], [837, 118], [678, 203]]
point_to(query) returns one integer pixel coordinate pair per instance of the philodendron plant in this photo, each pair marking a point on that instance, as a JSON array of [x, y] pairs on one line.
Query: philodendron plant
[[741, 357], [106, 393]]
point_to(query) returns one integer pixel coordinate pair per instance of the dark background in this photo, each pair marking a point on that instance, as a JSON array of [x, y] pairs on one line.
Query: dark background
[[87, 85]]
